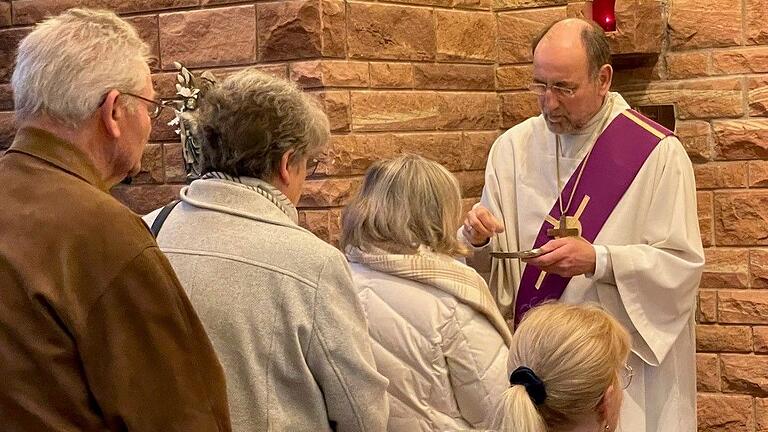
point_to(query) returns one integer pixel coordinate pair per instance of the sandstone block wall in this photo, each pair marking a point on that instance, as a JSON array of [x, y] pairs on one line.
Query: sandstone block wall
[[713, 69], [443, 78]]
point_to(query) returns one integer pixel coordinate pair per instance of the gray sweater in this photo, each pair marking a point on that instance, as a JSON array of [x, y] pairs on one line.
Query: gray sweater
[[280, 308]]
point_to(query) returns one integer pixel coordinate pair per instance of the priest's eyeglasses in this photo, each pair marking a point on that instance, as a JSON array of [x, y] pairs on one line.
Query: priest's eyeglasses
[[625, 376], [540, 89]]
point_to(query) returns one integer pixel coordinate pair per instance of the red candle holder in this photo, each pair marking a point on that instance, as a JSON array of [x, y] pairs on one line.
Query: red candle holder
[[604, 14]]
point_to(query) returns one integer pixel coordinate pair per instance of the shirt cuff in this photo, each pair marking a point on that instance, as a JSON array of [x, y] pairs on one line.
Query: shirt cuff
[[602, 263]]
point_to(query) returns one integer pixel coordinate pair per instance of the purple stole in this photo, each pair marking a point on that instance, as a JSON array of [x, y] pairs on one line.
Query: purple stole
[[616, 158]]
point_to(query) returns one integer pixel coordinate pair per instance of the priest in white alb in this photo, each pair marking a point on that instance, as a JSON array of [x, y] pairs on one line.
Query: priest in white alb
[[608, 196]]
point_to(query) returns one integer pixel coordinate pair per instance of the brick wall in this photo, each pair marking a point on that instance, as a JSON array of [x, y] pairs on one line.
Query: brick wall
[[713, 69], [444, 77]]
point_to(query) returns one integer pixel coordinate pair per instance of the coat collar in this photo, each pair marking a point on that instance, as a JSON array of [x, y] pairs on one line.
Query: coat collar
[[239, 199], [58, 152], [439, 271]]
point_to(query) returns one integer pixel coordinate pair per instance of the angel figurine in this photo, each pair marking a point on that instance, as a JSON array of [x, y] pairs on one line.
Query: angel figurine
[[189, 89]]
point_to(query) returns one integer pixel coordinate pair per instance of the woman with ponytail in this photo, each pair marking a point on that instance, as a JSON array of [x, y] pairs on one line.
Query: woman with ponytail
[[568, 372]]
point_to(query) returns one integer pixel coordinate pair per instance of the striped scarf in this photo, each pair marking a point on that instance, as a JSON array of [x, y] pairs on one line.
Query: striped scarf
[[438, 271], [261, 187]]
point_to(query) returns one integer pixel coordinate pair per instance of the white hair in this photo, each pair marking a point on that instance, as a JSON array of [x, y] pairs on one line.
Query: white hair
[[66, 66]]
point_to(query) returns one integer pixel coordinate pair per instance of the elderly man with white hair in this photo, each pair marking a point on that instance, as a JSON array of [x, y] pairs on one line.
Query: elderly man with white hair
[[96, 333]]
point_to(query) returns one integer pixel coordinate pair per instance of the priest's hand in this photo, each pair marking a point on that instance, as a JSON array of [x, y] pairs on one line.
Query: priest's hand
[[480, 225], [566, 257]]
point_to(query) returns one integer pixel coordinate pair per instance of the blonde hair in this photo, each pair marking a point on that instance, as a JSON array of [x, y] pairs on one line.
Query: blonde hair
[[69, 62], [405, 202], [250, 119], [577, 352]]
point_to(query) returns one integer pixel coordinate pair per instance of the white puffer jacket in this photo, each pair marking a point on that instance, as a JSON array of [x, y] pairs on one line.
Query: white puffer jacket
[[445, 362]]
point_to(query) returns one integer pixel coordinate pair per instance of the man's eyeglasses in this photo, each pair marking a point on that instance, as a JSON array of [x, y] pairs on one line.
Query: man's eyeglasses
[[540, 89], [155, 107], [626, 376]]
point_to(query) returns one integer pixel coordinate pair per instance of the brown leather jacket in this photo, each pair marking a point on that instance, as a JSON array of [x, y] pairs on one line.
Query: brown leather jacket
[[96, 333]]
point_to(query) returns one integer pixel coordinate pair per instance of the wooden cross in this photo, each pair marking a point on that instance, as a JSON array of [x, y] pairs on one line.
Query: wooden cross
[[567, 226], [563, 230]]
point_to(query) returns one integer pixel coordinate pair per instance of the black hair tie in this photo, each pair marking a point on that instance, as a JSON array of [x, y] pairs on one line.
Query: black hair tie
[[533, 385]]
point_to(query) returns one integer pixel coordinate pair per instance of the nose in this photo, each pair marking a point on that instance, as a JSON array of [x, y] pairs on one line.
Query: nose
[[549, 101]]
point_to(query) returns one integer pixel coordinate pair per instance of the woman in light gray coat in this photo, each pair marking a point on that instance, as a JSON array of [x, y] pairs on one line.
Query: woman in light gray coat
[[277, 302]]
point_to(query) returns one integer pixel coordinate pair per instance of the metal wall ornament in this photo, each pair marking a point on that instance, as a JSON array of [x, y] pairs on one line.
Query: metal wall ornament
[[188, 90]]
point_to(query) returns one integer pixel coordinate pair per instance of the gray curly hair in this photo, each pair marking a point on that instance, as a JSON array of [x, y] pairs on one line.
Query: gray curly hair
[[249, 120]]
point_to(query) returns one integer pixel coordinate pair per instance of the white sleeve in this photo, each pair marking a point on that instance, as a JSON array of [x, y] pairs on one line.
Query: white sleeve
[[657, 279], [476, 356], [603, 266]]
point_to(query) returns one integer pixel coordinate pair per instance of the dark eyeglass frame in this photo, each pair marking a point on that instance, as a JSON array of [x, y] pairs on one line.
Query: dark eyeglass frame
[[156, 106], [540, 89], [312, 165]]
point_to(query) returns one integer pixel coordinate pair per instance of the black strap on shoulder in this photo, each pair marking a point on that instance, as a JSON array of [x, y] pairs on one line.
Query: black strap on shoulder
[[160, 219]]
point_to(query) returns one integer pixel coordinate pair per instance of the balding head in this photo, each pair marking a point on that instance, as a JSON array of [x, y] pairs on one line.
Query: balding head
[[571, 73], [577, 35]]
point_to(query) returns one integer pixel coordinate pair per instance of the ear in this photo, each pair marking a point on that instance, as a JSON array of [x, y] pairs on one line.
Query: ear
[[110, 113], [604, 78], [605, 407], [285, 167]]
